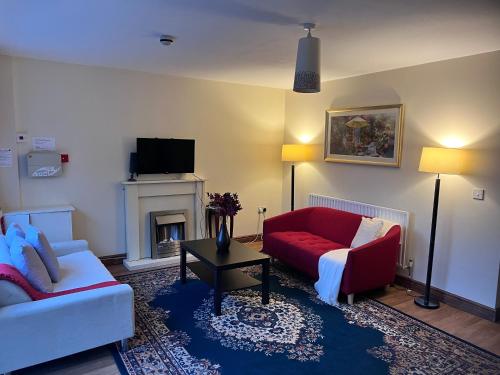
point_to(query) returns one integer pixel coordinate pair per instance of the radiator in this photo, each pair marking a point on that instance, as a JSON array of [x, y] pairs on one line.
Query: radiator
[[397, 216]]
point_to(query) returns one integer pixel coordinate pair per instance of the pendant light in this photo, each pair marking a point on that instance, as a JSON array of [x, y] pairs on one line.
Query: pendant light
[[307, 69]]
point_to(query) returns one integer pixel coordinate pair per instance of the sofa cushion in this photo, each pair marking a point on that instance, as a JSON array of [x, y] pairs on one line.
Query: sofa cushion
[[4, 251], [13, 231], [386, 227], [29, 264], [301, 250], [368, 231], [11, 294], [39, 242], [81, 269], [334, 225]]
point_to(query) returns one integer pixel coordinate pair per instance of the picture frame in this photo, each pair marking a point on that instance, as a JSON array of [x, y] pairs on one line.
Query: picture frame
[[365, 135]]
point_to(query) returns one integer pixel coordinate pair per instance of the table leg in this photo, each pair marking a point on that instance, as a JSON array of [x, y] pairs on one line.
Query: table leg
[[218, 292], [265, 282], [183, 266]]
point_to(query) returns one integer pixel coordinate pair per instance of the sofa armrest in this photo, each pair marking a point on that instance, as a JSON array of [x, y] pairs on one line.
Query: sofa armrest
[[372, 265], [289, 221], [40, 331], [69, 247]]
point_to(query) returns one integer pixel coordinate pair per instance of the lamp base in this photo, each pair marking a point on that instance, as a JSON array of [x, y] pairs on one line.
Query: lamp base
[[430, 304]]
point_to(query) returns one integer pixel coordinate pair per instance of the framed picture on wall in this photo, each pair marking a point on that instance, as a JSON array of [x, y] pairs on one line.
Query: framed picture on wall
[[366, 135]]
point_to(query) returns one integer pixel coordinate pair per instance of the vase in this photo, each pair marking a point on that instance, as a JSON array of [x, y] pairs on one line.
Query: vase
[[223, 240]]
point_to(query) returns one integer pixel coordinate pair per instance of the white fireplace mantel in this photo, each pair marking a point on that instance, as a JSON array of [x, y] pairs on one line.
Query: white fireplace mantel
[[143, 196]]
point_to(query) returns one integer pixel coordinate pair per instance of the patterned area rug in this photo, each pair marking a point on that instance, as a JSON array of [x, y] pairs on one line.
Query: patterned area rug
[[177, 333]]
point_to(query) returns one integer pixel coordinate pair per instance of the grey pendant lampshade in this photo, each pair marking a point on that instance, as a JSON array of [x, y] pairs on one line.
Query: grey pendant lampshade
[[307, 68]]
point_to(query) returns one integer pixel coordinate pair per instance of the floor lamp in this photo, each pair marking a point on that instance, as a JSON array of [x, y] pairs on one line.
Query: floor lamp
[[295, 153], [441, 161]]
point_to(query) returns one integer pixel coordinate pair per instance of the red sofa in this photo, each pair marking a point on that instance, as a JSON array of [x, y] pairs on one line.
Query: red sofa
[[299, 238]]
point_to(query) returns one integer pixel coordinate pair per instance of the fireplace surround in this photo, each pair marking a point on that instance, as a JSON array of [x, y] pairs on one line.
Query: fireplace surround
[[142, 197]]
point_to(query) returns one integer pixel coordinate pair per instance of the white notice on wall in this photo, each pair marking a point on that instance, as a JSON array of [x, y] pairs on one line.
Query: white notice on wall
[[43, 143], [5, 157]]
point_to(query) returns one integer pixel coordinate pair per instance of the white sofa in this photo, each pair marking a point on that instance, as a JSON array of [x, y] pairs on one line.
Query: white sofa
[[38, 331]]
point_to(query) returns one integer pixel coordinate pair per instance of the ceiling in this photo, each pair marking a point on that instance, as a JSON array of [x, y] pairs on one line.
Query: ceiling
[[244, 41]]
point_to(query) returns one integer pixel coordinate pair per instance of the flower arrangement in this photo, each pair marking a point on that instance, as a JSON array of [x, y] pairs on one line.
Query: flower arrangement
[[227, 204]]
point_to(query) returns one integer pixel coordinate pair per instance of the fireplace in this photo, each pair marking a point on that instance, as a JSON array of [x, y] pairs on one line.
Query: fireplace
[[145, 196], [168, 229]]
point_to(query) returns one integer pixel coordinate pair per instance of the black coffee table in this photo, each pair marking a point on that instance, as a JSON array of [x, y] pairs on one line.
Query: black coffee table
[[220, 270]]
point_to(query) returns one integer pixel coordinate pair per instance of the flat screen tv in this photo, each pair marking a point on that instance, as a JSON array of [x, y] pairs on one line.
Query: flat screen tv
[[156, 155]]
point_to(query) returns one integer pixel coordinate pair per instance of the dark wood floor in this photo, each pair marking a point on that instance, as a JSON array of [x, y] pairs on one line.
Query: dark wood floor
[[478, 331]]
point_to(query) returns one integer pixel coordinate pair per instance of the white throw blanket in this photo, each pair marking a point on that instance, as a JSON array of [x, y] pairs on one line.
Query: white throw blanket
[[330, 268]]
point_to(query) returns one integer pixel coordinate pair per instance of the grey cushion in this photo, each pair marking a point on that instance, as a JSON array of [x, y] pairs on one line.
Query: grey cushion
[[11, 294], [4, 252], [39, 242], [14, 230], [27, 261]]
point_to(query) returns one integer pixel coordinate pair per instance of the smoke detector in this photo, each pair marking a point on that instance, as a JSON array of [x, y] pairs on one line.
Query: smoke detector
[[167, 40]]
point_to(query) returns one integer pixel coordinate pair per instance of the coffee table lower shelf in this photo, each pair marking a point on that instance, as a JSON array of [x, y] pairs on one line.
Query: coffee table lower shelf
[[232, 279]]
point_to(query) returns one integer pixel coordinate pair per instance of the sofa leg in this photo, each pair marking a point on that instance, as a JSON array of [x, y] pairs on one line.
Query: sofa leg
[[387, 287], [124, 345], [350, 299]]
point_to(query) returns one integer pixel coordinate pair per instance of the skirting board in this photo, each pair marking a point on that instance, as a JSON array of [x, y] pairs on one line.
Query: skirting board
[[113, 260], [247, 238], [451, 299]]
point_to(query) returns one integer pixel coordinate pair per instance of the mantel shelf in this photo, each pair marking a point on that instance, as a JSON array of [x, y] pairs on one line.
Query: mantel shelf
[[144, 182]]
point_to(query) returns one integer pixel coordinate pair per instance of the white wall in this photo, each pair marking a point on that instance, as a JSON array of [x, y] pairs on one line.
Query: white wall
[[456, 98], [96, 114], [9, 178]]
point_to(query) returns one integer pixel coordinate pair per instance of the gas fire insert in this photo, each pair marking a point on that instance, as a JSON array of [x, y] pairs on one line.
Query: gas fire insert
[[168, 229]]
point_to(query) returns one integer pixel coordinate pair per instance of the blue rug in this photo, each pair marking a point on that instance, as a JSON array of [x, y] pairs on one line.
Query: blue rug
[[177, 333]]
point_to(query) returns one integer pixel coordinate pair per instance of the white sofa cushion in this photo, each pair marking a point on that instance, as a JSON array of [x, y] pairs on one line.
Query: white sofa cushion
[[27, 261], [68, 247], [367, 231], [39, 242], [81, 269], [10, 293], [386, 226], [14, 230], [4, 251]]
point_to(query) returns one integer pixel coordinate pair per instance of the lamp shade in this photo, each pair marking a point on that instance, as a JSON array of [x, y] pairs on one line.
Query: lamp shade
[[307, 68], [296, 152], [442, 160]]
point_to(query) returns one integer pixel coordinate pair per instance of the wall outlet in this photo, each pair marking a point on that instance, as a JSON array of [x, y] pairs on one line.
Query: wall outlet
[[478, 194], [261, 210], [410, 268]]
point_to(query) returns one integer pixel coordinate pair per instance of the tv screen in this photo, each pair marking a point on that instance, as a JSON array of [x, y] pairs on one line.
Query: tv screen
[[156, 155]]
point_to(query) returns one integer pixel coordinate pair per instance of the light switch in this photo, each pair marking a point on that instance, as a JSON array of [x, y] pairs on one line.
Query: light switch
[[478, 194]]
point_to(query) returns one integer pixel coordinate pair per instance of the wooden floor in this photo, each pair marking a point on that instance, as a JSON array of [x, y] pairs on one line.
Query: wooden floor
[[478, 331]]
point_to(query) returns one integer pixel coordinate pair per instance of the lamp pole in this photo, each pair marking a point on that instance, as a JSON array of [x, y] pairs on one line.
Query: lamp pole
[[425, 300], [292, 189]]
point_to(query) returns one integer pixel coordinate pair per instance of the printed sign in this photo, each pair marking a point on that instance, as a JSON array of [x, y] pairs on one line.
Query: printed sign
[[43, 143], [5, 157]]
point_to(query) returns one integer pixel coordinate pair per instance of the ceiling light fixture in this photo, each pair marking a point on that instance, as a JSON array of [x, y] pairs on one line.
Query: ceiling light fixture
[[307, 68], [166, 40]]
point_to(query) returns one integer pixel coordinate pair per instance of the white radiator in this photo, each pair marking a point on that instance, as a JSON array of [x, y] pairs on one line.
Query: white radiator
[[397, 216]]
